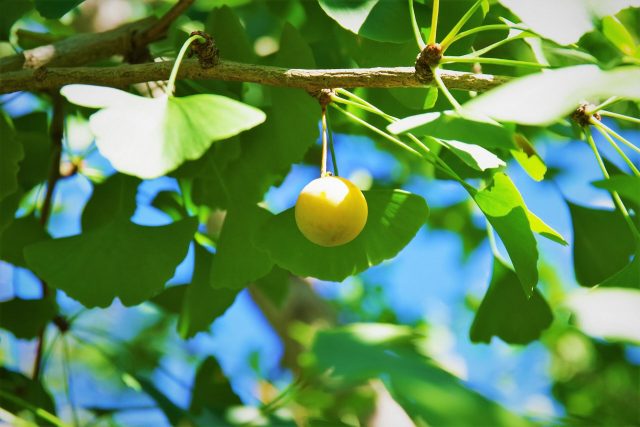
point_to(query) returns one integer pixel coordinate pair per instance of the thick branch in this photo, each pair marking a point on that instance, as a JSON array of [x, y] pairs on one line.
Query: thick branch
[[124, 75], [89, 47], [79, 49]]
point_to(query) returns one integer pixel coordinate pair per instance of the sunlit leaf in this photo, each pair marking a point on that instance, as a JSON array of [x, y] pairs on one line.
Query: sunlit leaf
[[238, 262], [25, 318], [450, 126], [626, 186], [528, 158], [602, 244], [477, 157], [507, 313], [617, 34], [543, 98], [156, 135], [550, 18], [119, 260], [610, 313], [12, 154], [503, 206], [394, 219], [359, 352], [203, 304]]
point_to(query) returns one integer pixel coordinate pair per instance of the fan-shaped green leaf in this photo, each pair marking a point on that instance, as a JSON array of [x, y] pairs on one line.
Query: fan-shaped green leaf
[[25, 318], [451, 126], [565, 21], [602, 244], [238, 262], [503, 206], [269, 150], [119, 259], [54, 9], [359, 352], [507, 313], [27, 389], [154, 136], [394, 219], [628, 277], [21, 233], [543, 98], [477, 157], [116, 197], [626, 186], [617, 34], [202, 304]]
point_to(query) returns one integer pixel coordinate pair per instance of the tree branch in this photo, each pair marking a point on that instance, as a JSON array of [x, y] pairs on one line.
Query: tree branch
[[124, 75], [89, 47]]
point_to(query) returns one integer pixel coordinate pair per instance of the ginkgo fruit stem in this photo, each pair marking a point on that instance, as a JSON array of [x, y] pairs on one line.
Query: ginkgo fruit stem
[[445, 91], [174, 71], [415, 27], [606, 103], [334, 160], [323, 164], [454, 31], [477, 30], [434, 22], [617, 136], [614, 195], [427, 156], [495, 61], [627, 160], [619, 116]]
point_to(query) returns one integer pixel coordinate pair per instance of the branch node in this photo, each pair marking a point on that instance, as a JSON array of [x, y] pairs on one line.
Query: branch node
[[40, 74], [322, 95], [428, 58], [206, 51], [582, 115]]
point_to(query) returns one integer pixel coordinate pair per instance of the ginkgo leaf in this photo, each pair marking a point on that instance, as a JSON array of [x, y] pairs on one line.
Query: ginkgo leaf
[[394, 219], [149, 137], [543, 98], [238, 262], [565, 21], [381, 20], [507, 313], [477, 157], [451, 126], [119, 259]]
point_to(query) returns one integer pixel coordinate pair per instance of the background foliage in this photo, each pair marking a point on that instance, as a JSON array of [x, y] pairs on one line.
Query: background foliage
[[164, 280]]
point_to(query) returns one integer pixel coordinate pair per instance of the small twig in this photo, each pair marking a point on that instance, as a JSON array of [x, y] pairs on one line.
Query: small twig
[[160, 27], [56, 133]]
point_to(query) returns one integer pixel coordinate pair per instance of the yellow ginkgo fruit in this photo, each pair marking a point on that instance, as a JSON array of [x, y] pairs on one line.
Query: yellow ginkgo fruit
[[331, 211]]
